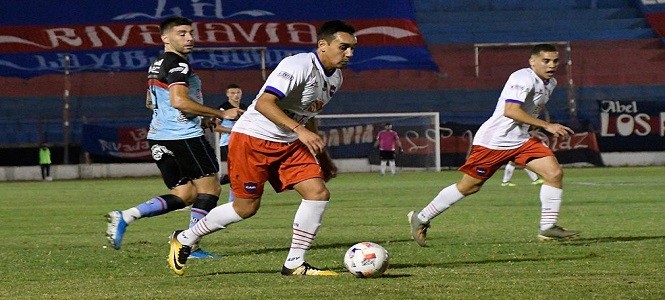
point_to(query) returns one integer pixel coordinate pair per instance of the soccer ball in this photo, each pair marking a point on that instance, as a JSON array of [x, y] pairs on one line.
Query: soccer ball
[[366, 259]]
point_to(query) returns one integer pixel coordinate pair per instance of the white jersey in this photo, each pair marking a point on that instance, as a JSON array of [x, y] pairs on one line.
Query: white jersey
[[303, 88], [523, 87]]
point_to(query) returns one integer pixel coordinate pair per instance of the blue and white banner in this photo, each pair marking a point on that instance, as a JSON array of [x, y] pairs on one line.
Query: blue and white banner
[[123, 35]]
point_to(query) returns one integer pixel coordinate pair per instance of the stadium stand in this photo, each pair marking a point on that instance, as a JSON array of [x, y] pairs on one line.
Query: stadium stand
[[617, 54], [468, 22]]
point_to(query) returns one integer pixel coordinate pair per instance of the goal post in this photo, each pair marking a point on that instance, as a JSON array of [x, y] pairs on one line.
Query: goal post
[[352, 136]]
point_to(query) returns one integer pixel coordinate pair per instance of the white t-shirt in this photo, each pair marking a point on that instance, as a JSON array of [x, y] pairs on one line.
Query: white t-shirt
[[303, 88], [526, 88]]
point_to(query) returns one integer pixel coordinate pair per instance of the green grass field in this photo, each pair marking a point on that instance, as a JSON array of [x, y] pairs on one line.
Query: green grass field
[[485, 247]]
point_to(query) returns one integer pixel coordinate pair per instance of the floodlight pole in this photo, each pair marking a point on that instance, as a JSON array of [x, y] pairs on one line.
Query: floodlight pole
[[65, 110]]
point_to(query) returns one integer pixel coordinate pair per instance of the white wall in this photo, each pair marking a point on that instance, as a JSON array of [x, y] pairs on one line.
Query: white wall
[[59, 172]]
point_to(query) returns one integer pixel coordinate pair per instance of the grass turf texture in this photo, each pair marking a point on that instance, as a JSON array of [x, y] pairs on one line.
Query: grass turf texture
[[484, 247]]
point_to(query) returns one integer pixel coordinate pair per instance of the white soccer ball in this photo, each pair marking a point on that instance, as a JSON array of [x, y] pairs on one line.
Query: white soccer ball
[[366, 259]]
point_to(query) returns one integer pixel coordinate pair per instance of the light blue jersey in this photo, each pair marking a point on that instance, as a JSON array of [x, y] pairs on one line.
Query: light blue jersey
[[224, 136], [169, 123]]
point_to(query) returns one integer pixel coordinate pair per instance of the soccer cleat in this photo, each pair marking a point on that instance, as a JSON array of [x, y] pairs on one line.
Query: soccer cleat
[[200, 254], [557, 233], [538, 181], [115, 229], [508, 183], [307, 270], [178, 254], [418, 228]]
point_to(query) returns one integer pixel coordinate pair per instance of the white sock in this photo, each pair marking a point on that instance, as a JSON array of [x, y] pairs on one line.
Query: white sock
[[392, 167], [218, 218], [508, 172], [531, 174], [447, 197], [383, 167], [550, 199], [305, 225], [131, 214]]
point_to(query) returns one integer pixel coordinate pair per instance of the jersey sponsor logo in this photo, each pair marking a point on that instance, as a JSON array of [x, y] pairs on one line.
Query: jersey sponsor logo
[[285, 75], [155, 66], [518, 87], [182, 68]]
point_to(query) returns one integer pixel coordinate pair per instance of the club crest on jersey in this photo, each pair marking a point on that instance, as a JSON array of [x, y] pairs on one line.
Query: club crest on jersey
[[481, 171], [316, 106], [250, 187]]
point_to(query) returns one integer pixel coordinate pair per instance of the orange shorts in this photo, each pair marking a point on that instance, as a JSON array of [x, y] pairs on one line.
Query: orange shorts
[[483, 162], [253, 161]]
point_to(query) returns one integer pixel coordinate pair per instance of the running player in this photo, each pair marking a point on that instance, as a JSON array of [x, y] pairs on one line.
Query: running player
[[185, 159], [276, 141], [505, 137]]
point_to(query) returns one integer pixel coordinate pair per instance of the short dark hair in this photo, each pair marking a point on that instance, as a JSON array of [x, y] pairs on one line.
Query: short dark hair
[[173, 22], [543, 48], [328, 29], [232, 86]]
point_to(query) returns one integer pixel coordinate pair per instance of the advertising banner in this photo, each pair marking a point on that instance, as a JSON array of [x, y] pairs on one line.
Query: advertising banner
[[124, 143], [631, 126], [36, 37]]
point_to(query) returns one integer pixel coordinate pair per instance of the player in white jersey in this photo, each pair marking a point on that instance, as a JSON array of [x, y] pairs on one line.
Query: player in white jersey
[[505, 137], [276, 141]]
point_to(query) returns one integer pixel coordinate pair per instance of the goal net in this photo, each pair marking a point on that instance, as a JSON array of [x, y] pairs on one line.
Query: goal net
[[352, 137]]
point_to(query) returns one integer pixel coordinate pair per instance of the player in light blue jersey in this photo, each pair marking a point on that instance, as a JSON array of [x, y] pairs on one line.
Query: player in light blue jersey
[[185, 159]]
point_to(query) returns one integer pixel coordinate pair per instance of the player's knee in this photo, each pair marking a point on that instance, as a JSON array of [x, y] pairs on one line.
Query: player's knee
[[553, 174], [320, 193], [246, 208], [187, 194], [215, 190]]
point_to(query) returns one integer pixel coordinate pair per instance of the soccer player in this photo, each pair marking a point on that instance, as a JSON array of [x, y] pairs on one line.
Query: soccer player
[[388, 142], [276, 141], [510, 170], [185, 159], [505, 137], [233, 95]]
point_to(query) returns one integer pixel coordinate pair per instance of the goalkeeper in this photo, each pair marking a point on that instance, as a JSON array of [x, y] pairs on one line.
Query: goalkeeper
[[388, 141]]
